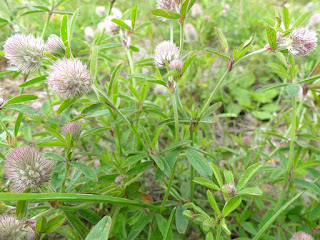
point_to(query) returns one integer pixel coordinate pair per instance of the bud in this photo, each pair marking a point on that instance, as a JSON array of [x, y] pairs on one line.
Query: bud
[[196, 10], [118, 179], [10, 227], [24, 52], [69, 78], [159, 89], [26, 168], [72, 128], [229, 191], [246, 140], [190, 32], [165, 53], [314, 20], [110, 27], [176, 65], [301, 236], [101, 11], [88, 33], [55, 46]]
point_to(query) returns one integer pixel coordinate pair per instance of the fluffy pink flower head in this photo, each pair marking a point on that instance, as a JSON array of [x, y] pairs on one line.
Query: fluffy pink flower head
[[69, 78], [101, 11], [10, 227], [302, 41], [55, 46], [26, 168], [166, 5], [165, 53], [301, 236], [176, 65], [24, 52], [71, 128]]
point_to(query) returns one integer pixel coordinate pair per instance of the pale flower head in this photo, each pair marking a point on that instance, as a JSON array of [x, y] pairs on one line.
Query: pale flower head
[[230, 190], [159, 89], [301, 236], [26, 168], [165, 53], [116, 13], [110, 27], [302, 41], [196, 10], [101, 26], [190, 32], [88, 33], [24, 52], [69, 78], [101, 11], [72, 128], [166, 5], [314, 20], [11, 228], [55, 46]]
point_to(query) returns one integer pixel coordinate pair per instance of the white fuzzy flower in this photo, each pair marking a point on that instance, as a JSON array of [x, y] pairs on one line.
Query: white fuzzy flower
[[165, 53], [88, 33], [101, 11]]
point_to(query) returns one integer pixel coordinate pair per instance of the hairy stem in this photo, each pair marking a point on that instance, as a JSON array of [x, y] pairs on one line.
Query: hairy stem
[[169, 185]]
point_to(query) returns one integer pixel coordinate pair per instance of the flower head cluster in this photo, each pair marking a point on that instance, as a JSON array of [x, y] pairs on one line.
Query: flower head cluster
[[72, 128], [110, 27], [55, 46], [101, 11], [69, 78], [302, 41], [88, 33], [10, 227], [26, 168], [24, 52], [166, 5], [196, 10], [165, 53], [301, 236], [314, 20], [176, 65]]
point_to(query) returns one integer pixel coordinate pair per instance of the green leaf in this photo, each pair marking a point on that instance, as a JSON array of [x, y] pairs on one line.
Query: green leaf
[[65, 104], [186, 6], [307, 185], [133, 159], [216, 173], [166, 14], [134, 16], [188, 62], [64, 30], [285, 18], [22, 98], [73, 24], [293, 89], [228, 176], [33, 81], [206, 183], [92, 109], [54, 224], [274, 216], [250, 191], [181, 222], [231, 205], [198, 162], [301, 19], [114, 77], [213, 203], [101, 230], [169, 224], [18, 123], [22, 206], [158, 161], [121, 23], [90, 173], [41, 224], [94, 63], [55, 133], [218, 52], [222, 39], [23, 109], [272, 38], [248, 173], [271, 86]]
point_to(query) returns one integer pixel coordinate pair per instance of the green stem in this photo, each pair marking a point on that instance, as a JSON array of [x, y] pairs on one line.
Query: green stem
[[4, 128], [181, 37], [171, 30], [49, 99], [48, 20], [291, 154], [176, 116], [63, 185], [192, 172], [169, 185]]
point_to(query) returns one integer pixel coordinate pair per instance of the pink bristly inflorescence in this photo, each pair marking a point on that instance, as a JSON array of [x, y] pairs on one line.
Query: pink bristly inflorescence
[[301, 236], [26, 168], [71, 128], [165, 52], [69, 78], [10, 227], [24, 52], [302, 41]]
